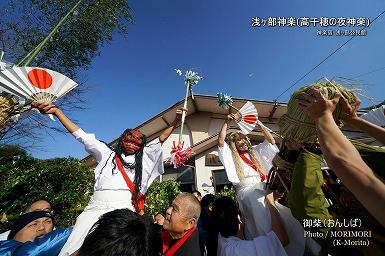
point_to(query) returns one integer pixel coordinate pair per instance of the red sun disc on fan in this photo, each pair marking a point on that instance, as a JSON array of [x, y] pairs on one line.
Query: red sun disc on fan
[[250, 119], [40, 78]]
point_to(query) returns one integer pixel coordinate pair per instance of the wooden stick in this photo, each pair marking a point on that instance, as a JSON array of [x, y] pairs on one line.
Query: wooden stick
[[184, 112], [32, 55]]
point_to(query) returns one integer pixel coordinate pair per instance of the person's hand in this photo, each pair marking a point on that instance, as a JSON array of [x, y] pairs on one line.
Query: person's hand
[[269, 195], [45, 108], [349, 111], [316, 105], [179, 113], [231, 118]]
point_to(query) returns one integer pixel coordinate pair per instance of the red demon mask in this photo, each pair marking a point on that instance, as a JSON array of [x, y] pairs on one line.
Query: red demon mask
[[132, 141]]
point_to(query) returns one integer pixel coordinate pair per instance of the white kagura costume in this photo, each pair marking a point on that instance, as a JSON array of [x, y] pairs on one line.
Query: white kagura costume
[[268, 244], [110, 189], [251, 198]]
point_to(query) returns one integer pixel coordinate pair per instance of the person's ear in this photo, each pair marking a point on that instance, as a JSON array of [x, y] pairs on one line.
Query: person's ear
[[210, 208], [191, 223]]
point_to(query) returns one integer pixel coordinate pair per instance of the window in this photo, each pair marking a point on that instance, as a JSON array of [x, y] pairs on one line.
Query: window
[[220, 180], [184, 174]]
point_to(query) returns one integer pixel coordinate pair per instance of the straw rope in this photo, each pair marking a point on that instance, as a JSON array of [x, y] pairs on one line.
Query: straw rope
[[297, 125]]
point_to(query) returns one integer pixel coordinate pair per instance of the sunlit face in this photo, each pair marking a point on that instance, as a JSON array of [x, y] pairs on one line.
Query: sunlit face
[[242, 144], [40, 205], [132, 142], [176, 222], [37, 228]]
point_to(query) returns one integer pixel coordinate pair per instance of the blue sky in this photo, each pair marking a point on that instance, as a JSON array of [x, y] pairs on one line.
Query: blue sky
[[134, 79]]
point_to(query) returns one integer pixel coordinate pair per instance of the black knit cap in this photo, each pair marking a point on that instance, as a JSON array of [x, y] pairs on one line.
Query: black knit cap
[[24, 219]]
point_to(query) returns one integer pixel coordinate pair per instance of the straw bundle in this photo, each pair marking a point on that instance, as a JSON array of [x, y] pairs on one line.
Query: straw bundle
[[297, 125], [6, 108]]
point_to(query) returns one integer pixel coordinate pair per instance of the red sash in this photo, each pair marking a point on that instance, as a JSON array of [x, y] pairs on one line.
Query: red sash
[[166, 239], [141, 198], [252, 165]]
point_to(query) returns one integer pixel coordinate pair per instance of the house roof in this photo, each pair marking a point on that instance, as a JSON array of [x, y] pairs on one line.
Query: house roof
[[268, 112], [206, 103], [203, 103]]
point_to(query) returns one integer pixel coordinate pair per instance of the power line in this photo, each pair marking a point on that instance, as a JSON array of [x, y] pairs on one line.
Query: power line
[[319, 64], [368, 73]]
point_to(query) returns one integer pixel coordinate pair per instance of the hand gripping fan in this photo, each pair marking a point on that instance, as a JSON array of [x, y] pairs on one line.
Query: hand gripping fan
[[376, 116], [35, 84], [248, 114]]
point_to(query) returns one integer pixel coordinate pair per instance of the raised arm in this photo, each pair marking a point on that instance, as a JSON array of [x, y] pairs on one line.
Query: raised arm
[[166, 133], [342, 157], [276, 221], [266, 134], [223, 132], [49, 108], [349, 116]]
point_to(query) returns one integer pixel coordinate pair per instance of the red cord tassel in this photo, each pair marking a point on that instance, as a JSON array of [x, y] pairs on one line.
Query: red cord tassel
[[178, 155]]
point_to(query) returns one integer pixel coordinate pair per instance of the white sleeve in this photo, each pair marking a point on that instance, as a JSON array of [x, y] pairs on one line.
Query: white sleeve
[[4, 236], [269, 245], [233, 246], [152, 163], [91, 144], [266, 152], [227, 160]]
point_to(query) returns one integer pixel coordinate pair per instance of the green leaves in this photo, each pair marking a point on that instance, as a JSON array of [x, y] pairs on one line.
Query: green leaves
[[230, 192], [24, 24], [160, 195], [78, 39], [65, 182]]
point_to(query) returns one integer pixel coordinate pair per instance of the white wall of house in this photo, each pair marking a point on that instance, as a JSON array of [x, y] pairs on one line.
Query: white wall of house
[[198, 127], [203, 175]]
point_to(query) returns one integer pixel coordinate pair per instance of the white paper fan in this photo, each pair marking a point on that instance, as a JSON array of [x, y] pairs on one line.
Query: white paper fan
[[249, 117], [376, 116], [36, 84]]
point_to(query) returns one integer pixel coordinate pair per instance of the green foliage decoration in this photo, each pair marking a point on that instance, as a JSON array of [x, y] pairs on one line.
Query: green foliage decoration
[[160, 195], [230, 192], [66, 182]]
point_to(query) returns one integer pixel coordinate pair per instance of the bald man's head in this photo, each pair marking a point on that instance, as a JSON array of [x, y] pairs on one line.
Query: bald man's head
[[192, 204], [182, 215]]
